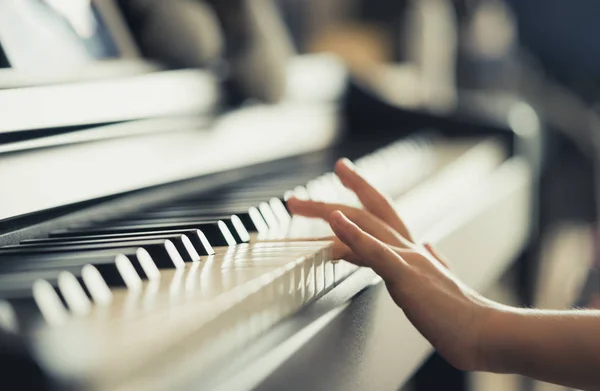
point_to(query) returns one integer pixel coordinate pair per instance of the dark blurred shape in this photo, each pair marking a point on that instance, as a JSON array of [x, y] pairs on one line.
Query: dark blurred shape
[[3, 59], [488, 46], [182, 33], [52, 34], [563, 36], [244, 41], [18, 369], [405, 51], [390, 16], [258, 47]]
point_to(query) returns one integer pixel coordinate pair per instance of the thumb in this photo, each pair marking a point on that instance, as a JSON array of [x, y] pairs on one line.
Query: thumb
[[372, 252]]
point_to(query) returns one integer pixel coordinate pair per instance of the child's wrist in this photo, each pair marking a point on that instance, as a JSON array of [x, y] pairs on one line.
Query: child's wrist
[[495, 340]]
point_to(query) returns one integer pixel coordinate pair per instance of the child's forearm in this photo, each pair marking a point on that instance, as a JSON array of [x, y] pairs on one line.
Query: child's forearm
[[561, 347]]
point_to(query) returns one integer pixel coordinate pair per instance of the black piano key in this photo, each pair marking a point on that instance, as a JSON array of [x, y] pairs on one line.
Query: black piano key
[[142, 261], [252, 216], [190, 212], [267, 213], [181, 242], [197, 237], [233, 222], [18, 284], [216, 204], [253, 220], [206, 209], [75, 293], [279, 207], [116, 270], [236, 225], [216, 232], [237, 196], [163, 252], [243, 214], [212, 207]]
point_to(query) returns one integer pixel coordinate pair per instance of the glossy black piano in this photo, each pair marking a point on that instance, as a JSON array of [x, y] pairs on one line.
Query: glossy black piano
[[145, 239]]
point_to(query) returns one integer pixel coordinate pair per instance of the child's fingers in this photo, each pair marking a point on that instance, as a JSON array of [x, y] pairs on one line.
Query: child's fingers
[[372, 252], [368, 222], [370, 197]]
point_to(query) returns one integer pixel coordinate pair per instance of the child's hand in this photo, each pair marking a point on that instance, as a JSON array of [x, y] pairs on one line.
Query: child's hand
[[469, 331], [449, 314]]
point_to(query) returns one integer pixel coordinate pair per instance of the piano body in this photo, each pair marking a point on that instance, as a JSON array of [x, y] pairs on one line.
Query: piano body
[[145, 243]]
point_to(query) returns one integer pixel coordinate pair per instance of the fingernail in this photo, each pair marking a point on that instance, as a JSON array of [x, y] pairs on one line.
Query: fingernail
[[348, 163], [337, 218], [336, 222]]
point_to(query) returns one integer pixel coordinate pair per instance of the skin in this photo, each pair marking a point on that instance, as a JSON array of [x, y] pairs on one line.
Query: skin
[[469, 331]]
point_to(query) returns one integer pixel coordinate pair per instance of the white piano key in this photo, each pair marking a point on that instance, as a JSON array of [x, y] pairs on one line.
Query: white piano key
[[8, 318], [127, 271], [148, 265], [95, 284], [343, 269], [268, 298], [301, 193], [191, 250], [239, 227], [269, 216], [288, 194], [49, 304], [217, 274], [314, 190], [280, 211], [258, 220], [74, 295], [229, 239]]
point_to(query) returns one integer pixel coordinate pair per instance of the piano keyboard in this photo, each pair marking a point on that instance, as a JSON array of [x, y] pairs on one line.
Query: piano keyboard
[[107, 299]]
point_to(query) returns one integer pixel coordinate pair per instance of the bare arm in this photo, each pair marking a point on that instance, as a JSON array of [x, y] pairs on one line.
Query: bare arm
[[555, 346]]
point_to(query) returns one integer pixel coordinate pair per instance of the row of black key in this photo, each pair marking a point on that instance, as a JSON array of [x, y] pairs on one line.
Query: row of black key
[[126, 251]]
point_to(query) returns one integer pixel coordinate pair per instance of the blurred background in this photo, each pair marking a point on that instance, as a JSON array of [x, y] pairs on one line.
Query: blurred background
[[440, 58]]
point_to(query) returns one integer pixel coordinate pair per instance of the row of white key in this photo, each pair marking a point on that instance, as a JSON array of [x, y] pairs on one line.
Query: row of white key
[[230, 297]]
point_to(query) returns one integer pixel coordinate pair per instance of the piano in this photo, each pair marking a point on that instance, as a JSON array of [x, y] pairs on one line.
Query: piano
[[145, 241]]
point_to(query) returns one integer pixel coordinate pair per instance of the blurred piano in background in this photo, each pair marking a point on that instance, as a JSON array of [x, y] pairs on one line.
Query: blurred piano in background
[[56, 35], [145, 242]]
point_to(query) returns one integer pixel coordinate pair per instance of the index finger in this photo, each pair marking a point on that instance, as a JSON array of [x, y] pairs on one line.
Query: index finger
[[373, 201]]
